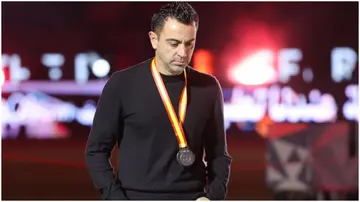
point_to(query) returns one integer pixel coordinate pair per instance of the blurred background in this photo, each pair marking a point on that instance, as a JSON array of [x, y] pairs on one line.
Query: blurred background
[[289, 73]]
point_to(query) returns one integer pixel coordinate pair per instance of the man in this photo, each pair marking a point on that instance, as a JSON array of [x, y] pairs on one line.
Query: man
[[160, 153]]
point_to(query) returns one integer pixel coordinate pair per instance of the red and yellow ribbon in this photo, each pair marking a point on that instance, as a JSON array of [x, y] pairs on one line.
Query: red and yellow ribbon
[[177, 126]]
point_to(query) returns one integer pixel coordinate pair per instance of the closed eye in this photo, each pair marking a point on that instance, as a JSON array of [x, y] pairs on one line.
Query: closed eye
[[174, 45]]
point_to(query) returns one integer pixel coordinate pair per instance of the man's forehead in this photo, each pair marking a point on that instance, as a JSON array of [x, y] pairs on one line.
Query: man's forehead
[[174, 24], [174, 20], [178, 31]]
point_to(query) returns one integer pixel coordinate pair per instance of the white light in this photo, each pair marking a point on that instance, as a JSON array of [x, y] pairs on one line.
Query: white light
[[55, 73], [4, 60], [2, 78], [17, 73], [314, 96], [81, 69], [350, 108], [307, 75], [288, 60], [85, 115], [284, 104], [256, 69], [52, 59], [343, 63], [100, 68]]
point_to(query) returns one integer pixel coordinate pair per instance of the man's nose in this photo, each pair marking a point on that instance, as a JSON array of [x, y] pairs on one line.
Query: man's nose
[[182, 51]]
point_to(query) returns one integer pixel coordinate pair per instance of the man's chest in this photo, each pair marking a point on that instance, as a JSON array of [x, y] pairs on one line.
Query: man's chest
[[145, 110]]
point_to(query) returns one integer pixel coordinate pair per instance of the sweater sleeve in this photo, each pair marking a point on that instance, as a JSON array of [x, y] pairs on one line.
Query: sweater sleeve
[[216, 154], [103, 136]]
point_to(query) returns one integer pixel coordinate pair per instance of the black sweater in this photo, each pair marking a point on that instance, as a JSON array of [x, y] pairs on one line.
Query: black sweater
[[130, 112]]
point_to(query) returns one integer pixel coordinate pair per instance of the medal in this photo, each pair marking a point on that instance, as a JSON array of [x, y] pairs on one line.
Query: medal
[[185, 156]]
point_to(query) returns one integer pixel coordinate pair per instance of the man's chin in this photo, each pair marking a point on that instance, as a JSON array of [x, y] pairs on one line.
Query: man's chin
[[177, 68]]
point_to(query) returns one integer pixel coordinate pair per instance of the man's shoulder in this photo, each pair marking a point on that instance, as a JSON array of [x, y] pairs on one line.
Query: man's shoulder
[[128, 75], [132, 70], [205, 82], [202, 77]]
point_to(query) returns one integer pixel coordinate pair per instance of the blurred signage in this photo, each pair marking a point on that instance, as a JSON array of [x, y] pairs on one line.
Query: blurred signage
[[39, 106]]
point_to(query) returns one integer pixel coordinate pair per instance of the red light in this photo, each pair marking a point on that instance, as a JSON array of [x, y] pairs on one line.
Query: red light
[[247, 37], [203, 61]]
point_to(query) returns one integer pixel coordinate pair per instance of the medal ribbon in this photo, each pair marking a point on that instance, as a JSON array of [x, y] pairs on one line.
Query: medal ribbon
[[178, 129]]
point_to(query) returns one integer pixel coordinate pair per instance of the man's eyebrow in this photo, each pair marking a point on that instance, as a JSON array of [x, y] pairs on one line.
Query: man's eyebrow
[[173, 40], [178, 41]]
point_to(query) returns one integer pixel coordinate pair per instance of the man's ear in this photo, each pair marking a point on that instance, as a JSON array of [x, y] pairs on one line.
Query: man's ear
[[153, 39]]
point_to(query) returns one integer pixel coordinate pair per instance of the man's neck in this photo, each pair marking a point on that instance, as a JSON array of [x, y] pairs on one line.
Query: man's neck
[[163, 70]]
